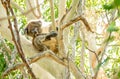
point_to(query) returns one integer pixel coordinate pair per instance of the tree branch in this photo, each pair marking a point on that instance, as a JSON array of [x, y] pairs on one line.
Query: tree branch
[[61, 11], [102, 51], [75, 20], [47, 54], [16, 38], [38, 8], [52, 14], [94, 53]]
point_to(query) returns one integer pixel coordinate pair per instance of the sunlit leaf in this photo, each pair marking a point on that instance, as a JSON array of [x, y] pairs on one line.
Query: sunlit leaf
[[114, 4], [108, 7], [2, 63], [112, 27]]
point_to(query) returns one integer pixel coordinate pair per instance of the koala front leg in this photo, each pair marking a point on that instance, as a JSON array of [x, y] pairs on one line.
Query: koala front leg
[[51, 34]]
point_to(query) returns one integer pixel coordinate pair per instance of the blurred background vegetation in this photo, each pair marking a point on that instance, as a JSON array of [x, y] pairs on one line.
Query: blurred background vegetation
[[95, 10]]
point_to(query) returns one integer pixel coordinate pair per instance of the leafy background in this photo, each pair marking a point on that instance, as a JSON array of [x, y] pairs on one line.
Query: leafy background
[[111, 61]]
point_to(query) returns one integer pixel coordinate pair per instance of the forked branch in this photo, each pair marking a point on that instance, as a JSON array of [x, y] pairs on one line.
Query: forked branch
[[46, 54], [76, 20]]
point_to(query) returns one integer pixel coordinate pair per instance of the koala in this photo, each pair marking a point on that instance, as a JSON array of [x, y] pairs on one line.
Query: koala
[[41, 41]]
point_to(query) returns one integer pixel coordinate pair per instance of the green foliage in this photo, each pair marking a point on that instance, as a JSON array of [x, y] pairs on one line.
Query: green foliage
[[117, 3], [77, 60], [110, 62], [10, 45], [108, 7], [21, 3], [112, 5], [68, 3], [22, 22], [2, 64], [118, 74], [112, 66], [112, 28], [46, 10], [95, 3], [104, 61]]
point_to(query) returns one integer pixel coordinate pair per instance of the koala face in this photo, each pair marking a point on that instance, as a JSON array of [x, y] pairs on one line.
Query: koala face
[[33, 28]]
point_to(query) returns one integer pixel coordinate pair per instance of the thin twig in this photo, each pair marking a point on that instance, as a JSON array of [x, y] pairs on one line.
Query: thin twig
[[94, 53]]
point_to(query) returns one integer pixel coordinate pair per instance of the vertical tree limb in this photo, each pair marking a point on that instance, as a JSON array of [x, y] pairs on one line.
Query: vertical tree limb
[[63, 35], [52, 14], [16, 37], [62, 11]]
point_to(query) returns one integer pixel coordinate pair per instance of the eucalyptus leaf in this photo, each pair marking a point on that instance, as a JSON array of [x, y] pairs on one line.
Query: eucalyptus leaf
[[112, 27], [114, 4], [108, 6], [117, 2]]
